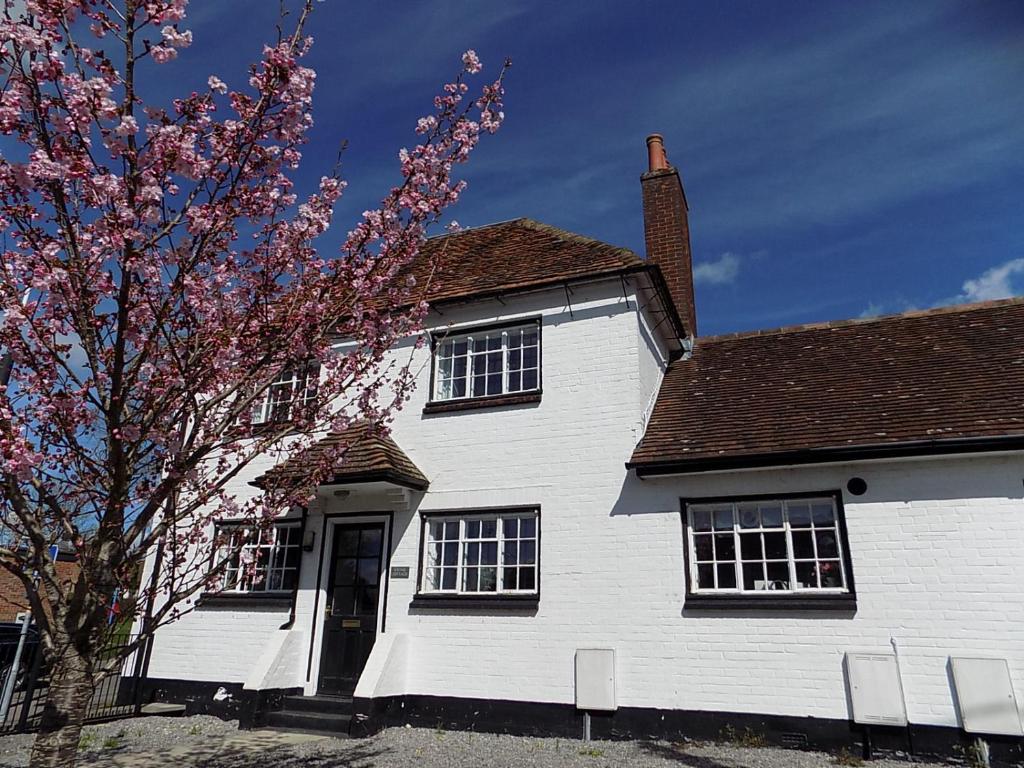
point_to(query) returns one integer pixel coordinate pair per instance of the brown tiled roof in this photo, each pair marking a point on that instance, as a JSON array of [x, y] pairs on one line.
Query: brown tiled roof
[[369, 457], [928, 382], [515, 255]]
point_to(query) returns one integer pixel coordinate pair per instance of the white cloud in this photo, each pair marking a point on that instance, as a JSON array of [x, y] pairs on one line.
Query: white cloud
[[721, 271], [999, 282]]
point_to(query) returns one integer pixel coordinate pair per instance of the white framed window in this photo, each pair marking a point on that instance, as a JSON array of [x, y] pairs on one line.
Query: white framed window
[[259, 560], [479, 554], [767, 546], [487, 362], [291, 389]]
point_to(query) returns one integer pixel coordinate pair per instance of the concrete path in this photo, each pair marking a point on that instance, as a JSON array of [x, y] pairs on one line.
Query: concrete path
[[237, 746]]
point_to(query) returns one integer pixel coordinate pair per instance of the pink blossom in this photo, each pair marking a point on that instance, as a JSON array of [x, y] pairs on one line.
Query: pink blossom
[[216, 84], [176, 39], [163, 54], [471, 62]]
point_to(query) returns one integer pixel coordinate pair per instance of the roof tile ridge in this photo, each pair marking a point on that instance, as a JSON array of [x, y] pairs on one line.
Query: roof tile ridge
[[846, 323]]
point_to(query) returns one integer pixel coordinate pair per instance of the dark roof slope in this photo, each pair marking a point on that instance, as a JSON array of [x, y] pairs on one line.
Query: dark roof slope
[[926, 382], [515, 255], [369, 457]]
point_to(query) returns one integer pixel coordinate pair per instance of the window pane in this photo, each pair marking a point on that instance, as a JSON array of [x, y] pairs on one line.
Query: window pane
[[726, 576], [827, 545], [530, 379], [510, 527], [753, 576], [803, 544], [489, 553], [451, 554], [488, 579], [701, 520], [778, 575], [472, 529], [748, 516], [750, 546], [510, 578], [723, 518], [799, 515], [527, 578], [489, 529], [527, 552], [771, 515], [706, 576], [806, 575], [775, 545], [830, 574], [448, 579], [471, 579], [822, 514], [528, 527], [702, 546], [725, 546]]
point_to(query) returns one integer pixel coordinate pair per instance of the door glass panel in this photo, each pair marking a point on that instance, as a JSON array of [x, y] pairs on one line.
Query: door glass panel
[[369, 542], [369, 570], [348, 541]]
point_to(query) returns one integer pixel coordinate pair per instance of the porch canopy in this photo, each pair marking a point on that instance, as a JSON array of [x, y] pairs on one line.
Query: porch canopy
[[368, 458]]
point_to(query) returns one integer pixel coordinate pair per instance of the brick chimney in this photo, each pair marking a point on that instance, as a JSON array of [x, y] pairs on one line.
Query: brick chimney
[[667, 230]]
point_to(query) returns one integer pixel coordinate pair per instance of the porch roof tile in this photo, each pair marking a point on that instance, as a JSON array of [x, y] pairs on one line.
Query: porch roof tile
[[369, 457]]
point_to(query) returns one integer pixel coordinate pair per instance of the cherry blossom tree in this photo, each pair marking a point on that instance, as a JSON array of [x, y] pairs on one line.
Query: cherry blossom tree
[[159, 273]]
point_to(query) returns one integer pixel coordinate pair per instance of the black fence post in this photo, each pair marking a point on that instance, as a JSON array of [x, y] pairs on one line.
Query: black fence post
[[30, 687]]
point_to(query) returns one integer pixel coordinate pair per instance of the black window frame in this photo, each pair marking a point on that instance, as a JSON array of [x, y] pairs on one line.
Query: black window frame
[[484, 401], [790, 600], [423, 599]]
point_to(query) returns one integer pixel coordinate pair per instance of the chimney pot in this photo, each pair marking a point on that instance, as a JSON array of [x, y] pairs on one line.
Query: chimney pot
[[657, 160]]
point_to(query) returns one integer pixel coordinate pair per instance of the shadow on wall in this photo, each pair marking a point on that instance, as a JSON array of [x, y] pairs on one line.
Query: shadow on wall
[[922, 480]]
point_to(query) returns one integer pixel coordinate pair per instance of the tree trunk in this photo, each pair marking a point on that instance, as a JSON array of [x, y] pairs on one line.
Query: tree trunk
[[71, 688]]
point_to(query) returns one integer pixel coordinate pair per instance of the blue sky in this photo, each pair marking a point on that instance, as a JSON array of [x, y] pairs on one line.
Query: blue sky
[[840, 159]]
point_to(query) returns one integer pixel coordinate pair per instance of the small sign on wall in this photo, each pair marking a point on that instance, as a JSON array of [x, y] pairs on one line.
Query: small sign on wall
[[399, 571]]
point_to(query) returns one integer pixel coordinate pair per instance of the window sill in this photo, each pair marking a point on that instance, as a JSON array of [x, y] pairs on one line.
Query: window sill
[[490, 401], [475, 601], [783, 603], [247, 599]]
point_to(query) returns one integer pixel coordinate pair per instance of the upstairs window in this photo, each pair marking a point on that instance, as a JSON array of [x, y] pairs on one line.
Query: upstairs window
[[288, 392], [259, 560], [480, 554], [487, 362], [767, 547]]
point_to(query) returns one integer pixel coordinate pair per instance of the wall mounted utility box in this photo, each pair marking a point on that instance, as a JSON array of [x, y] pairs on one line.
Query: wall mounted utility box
[[985, 693], [875, 689], [595, 679]]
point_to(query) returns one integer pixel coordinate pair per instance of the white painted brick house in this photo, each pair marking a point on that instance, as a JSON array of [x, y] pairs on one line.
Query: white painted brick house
[[731, 516]]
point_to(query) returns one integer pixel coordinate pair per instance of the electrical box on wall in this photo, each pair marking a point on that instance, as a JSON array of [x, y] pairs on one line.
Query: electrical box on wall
[[875, 689], [984, 692], [595, 679]]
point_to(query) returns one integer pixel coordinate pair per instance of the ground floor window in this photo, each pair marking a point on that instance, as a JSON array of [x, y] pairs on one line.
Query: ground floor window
[[761, 545], [259, 560], [481, 553]]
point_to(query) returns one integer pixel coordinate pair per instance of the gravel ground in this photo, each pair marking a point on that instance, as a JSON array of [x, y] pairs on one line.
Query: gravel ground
[[200, 742]]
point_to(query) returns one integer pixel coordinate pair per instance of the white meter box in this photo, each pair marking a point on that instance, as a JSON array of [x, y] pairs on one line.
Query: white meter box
[[875, 689], [985, 693], [595, 679]]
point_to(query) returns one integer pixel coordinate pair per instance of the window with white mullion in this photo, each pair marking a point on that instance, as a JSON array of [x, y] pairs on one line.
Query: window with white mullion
[[481, 554], [487, 363], [753, 546]]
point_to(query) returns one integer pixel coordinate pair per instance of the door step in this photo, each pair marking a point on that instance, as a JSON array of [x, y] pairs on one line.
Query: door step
[[326, 715], [340, 705], [333, 724]]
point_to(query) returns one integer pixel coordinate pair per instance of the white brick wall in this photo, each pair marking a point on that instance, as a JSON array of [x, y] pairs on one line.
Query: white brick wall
[[935, 545]]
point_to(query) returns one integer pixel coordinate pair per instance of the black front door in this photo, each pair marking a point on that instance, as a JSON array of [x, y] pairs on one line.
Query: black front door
[[350, 621]]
